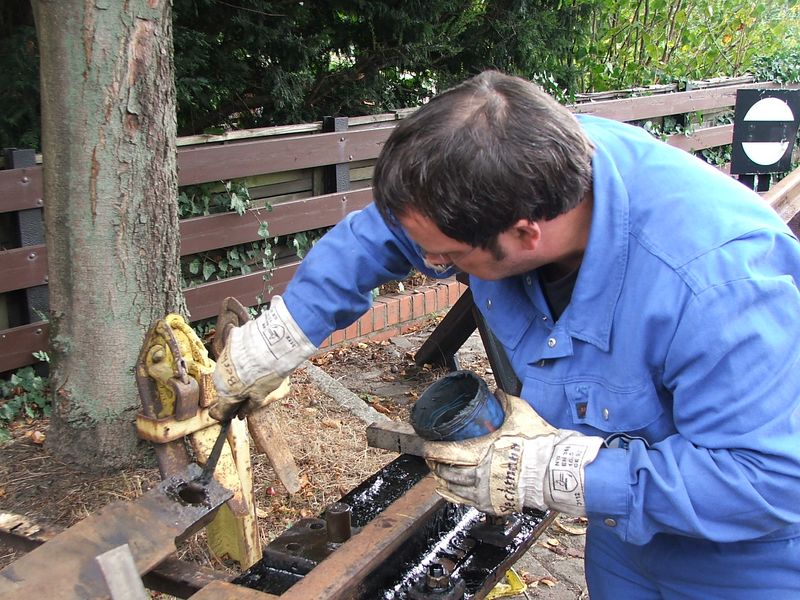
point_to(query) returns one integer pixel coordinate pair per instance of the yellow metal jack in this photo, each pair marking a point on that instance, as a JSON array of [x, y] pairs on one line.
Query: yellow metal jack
[[173, 374]]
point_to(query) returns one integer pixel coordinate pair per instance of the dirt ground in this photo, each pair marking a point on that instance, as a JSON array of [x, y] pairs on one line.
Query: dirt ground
[[327, 440]]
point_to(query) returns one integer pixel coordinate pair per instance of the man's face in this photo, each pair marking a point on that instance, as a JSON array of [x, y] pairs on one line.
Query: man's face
[[509, 257]]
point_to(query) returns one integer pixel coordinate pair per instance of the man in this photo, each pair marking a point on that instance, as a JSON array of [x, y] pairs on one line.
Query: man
[[648, 304]]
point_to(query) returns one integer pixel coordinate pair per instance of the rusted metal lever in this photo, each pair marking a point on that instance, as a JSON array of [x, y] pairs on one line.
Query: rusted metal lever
[[266, 434], [194, 491]]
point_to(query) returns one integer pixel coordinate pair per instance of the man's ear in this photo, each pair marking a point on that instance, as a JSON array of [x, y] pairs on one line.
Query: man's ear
[[527, 233]]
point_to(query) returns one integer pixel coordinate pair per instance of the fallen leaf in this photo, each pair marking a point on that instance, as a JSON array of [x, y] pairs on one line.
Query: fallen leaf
[[261, 513], [552, 542], [270, 491], [331, 423], [2, 492], [381, 408], [549, 582], [306, 513], [570, 530], [37, 437], [526, 577]]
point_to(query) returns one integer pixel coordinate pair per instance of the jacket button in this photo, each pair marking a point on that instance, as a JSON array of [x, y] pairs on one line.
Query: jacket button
[[528, 280], [489, 303], [610, 522], [542, 363], [552, 342], [605, 414]]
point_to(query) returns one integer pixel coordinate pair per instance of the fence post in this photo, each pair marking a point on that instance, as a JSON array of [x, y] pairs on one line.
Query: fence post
[[30, 232], [336, 177]]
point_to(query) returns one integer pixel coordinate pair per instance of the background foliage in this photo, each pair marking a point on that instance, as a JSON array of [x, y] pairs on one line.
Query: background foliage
[[251, 63], [255, 63]]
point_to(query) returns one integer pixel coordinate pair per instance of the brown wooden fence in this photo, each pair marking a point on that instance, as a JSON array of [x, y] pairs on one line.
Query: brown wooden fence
[[297, 161]]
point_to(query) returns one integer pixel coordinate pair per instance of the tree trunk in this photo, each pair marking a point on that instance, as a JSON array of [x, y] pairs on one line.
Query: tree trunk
[[111, 222]]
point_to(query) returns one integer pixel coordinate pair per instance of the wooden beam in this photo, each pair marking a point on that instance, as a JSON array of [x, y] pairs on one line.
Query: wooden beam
[[784, 196]]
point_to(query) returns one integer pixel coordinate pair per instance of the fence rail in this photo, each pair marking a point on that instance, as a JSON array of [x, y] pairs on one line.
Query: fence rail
[[295, 157]]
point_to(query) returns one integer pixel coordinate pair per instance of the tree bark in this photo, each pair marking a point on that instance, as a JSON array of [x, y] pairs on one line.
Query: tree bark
[[111, 222]]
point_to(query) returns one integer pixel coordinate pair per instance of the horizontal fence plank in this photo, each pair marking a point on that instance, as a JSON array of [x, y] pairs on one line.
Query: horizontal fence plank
[[201, 234], [199, 164], [23, 268], [700, 139], [21, 189], [204, 300], [662, 105], [18, 344], [282, 160]]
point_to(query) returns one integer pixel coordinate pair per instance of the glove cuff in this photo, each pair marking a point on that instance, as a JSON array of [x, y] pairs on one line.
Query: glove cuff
[[564, 478], [271, 344]]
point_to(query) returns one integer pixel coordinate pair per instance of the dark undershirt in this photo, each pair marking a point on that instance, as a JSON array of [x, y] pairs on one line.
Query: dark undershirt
[[558, 292]]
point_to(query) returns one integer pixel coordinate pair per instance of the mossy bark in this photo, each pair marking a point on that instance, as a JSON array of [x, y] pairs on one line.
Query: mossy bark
[[111, 222]]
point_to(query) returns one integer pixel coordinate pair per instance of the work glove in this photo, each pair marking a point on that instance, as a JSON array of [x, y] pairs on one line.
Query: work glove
[[525, 462], [252, 370]]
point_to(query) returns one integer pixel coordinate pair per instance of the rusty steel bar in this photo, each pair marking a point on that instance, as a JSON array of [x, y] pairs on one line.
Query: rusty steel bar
[[341, 573], [64, 567]]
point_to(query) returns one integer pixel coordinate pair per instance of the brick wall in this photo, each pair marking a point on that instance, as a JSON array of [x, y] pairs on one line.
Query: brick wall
[[394, 314]]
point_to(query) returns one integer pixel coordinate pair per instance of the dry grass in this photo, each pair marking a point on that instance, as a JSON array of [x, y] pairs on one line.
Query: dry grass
[[329, 446]]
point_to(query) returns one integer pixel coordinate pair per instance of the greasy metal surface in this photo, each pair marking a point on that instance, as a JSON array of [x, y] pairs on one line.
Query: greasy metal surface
[[64, 567], [284, 564], [352, 567], [437, 584], [397, 545]]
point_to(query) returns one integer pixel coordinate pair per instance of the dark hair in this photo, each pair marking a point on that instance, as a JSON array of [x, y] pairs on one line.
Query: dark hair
[[481, 156]]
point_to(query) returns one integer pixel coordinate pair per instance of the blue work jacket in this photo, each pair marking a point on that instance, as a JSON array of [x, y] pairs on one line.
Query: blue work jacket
[[682, 331]]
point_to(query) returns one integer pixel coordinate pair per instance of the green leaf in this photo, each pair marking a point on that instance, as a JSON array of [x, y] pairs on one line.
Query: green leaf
[[209, 269]]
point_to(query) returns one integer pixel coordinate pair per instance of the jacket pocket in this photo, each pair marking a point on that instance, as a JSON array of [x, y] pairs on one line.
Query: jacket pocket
[[636, 410]]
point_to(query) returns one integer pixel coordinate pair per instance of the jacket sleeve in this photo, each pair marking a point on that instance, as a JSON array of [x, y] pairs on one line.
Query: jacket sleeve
[[732, 470], [333, 284]]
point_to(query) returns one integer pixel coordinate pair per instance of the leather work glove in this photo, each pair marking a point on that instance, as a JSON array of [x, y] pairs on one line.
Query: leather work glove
[[252, 370], [526, 462]]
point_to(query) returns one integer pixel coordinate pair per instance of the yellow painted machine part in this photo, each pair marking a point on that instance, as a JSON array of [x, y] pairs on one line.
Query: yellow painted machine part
[[234, 530], [160, 364]]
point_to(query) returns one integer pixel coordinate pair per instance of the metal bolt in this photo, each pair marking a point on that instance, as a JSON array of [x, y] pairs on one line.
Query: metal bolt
[[437, 577], [338, 520], [32, 256], [25, 179]]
